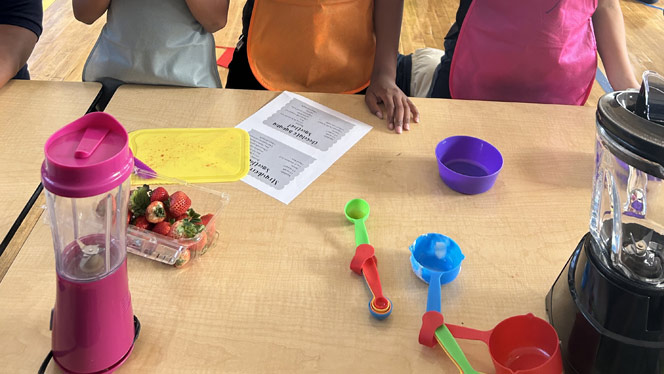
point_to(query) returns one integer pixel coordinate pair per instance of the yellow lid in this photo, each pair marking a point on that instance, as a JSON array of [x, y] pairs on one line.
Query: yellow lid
[[206, 155]]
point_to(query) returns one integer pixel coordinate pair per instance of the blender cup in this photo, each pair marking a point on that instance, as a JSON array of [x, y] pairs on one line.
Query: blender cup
[[608, 302], [627, 213], [86, 180]]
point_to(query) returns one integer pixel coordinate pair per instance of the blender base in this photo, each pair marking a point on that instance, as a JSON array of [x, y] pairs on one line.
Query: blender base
[[109, 370], [137, 331], [607, 324]]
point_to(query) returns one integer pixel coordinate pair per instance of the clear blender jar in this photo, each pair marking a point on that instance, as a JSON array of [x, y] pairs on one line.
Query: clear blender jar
[[607, 304], [86, 180], [627, 214], [89, 233]]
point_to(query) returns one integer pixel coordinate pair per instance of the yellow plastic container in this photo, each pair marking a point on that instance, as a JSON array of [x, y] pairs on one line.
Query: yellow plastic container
[[200, 155]]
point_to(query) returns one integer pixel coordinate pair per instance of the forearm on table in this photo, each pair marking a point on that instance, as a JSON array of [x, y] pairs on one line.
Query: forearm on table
[[387, 25], [611, 45], [16, 45], [88, 11], [211, 14]]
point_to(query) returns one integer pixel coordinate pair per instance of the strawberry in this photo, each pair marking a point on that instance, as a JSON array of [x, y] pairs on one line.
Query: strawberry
[[184, 229], [178, 203], [200, 244], [139, 199], [169, 217], [208, 221], [183, 259], [182, 216], [159, 194], [176, 230], [142, 223], [194, 217], [155, 212], [162, 228]]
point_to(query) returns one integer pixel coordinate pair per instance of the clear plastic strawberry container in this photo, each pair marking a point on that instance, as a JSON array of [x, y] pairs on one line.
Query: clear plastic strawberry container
[[190, 234]]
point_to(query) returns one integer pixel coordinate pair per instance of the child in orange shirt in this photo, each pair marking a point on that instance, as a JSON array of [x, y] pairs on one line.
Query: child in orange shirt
[[324, 46]]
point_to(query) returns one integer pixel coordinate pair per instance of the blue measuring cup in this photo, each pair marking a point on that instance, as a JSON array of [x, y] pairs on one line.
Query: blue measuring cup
[[436, 259]]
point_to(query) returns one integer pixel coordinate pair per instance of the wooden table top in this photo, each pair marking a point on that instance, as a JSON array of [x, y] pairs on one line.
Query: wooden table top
[[276, 293], [30, 111]]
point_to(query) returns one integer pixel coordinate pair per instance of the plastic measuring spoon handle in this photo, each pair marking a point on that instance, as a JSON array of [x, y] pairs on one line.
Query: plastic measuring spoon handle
[[370, 271], [433, 329], [361, 236], [431, 321], [462, 332], [451, 347], [364, 263], [363, 252], [433, 299]]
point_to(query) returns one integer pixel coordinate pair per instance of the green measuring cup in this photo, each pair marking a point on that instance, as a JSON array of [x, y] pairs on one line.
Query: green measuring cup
[[357, 211]]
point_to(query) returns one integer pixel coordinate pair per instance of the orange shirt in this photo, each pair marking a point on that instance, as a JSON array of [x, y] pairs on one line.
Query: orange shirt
[[312, 45]]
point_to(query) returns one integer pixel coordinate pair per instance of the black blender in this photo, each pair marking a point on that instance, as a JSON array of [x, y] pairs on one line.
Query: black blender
[[607, 304]]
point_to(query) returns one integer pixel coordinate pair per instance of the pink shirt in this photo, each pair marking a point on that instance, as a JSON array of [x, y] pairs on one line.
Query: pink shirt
[[540, 51]]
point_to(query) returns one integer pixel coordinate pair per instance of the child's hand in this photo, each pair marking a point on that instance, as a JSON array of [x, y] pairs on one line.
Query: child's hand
[[398, 106]]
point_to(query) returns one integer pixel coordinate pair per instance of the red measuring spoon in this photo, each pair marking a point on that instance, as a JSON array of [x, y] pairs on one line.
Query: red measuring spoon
[[364, 263]]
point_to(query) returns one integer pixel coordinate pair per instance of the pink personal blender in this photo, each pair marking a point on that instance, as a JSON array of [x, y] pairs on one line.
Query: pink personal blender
[[86, 178]]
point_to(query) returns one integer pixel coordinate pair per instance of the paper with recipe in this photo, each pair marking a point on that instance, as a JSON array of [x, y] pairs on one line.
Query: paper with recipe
[[293, 141]]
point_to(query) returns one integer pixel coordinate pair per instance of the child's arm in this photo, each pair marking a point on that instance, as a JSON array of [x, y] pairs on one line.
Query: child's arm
[[610, 36], [211, 14], [88, 11], [16, 45], [383, 87]]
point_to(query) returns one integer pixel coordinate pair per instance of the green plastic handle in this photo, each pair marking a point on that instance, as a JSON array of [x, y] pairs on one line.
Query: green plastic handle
[[451, 347], [361, 236]]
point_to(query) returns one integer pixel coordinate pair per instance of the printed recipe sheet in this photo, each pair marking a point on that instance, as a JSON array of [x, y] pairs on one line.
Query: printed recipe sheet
[[293, 141]]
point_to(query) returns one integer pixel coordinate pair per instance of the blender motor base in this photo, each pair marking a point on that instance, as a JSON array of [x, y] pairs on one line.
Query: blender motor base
[[137, 331]]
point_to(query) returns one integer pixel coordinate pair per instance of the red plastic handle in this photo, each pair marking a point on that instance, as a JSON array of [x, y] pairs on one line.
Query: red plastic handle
[[431, 321], [370, 271], [365, 263], [363, 252], [461, 332]]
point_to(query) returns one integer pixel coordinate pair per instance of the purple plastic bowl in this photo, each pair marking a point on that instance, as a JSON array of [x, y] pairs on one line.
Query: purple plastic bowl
[[468, 165]]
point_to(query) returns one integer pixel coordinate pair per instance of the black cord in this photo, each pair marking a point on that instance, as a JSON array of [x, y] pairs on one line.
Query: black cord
[[44, 365], [137, 328]]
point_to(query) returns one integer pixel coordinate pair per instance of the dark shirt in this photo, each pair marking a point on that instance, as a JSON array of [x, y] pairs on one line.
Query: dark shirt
[[23, 13], [441, 87], [246, 17], [453, 33]]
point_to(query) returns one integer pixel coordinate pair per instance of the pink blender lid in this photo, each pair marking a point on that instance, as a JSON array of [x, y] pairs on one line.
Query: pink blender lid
[[87, 157]]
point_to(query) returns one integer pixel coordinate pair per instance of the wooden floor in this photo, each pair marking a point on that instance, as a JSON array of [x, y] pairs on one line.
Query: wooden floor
[[65, 43]]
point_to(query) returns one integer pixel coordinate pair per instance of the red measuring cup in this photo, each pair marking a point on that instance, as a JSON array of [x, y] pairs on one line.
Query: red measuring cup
[[522, 344]]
